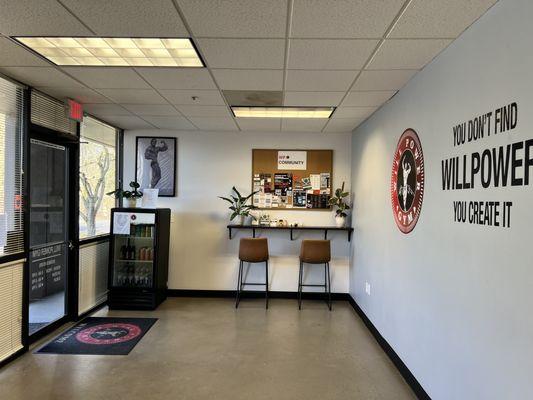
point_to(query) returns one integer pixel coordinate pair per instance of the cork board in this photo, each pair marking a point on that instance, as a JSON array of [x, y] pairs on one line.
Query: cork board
[[292, 179]]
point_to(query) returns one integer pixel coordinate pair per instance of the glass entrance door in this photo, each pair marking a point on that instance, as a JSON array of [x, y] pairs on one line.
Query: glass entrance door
[[48, 233]]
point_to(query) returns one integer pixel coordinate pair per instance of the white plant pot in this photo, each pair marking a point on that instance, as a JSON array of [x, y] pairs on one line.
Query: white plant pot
[[132, 203], [239, 220], [340, 221]]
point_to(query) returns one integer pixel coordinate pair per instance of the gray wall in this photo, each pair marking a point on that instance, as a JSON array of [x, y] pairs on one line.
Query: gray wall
[[454, 300]]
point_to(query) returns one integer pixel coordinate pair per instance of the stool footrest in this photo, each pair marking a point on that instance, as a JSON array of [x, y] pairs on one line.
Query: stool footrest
[[253, 284], [314, 285]]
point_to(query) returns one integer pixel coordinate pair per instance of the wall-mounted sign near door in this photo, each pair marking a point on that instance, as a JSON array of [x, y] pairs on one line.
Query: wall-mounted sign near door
[[407, 181]]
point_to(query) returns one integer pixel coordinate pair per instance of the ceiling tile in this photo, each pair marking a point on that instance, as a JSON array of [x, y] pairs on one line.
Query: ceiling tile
[[302, 124], [319, 81], [133, 96], [243, 53], [236, 18], [343, 18], [439, 19], [383, 80], [368, 98], [152, 109], [131, 18], [108, 77], [313, 99], [38, 18], [14, 55], [330, 54], [40, 76], [353, 112], [171, 123], [342, 125], [250, 79], [407, 53], [204, 111], [203, 97], [259, 124], [83, 95], [127, 122], [178, 78], [102, 110], [214, 124]]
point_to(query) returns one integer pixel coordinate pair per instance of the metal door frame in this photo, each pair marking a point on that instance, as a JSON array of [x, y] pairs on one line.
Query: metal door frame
[[71, 145]]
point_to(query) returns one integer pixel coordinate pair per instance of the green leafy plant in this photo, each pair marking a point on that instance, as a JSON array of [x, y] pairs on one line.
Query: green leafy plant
[[134, 193], [338, 200], [238, 204]]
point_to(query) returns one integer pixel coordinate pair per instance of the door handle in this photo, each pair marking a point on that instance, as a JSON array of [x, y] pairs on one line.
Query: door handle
[[70, 245]]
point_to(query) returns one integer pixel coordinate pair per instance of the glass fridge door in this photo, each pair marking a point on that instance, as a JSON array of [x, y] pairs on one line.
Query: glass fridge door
[[133, 252]]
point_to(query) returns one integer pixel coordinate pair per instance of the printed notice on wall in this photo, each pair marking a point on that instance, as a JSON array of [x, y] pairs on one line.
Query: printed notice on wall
[[292, 160], [495, 166]]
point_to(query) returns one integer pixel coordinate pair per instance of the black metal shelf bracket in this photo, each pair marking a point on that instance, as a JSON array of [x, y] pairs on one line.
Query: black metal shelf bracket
[[291, 230]]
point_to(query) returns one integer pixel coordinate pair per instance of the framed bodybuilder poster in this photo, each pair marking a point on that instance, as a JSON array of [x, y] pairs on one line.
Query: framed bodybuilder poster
[[155, 164]]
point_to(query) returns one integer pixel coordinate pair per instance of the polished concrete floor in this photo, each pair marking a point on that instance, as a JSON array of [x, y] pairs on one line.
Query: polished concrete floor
[[205, 349]]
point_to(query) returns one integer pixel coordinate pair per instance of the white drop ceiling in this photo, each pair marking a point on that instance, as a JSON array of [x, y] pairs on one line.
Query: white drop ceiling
[[349, 54]]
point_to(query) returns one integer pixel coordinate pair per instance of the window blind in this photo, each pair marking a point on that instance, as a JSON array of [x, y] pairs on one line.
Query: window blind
[[11, 161], [50, 113], [93, 275], [10, 308]]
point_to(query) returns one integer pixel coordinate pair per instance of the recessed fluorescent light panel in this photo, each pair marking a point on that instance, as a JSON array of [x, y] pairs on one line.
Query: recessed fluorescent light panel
[[282, 112], [116, 52]]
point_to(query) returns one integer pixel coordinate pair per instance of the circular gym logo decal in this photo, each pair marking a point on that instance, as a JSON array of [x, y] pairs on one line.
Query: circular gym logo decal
[[407, 181], [108, 333]]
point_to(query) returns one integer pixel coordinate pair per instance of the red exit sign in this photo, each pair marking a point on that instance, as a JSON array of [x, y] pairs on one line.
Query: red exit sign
[[75, 110]]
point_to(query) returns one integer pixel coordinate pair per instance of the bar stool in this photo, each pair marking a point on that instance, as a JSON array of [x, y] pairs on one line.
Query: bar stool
[[252, 251], [315, 252]]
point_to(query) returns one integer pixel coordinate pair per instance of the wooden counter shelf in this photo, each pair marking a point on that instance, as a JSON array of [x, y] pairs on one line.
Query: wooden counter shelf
[[253, 228]]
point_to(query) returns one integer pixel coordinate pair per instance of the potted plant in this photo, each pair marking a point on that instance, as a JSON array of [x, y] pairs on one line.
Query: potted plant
[[131, 196], [238, 206], [338, 200]]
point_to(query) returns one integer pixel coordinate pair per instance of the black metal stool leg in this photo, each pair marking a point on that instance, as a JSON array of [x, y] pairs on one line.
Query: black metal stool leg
[[239, 285], [329, 288], [300, 280], [325, 277], [266, 288]]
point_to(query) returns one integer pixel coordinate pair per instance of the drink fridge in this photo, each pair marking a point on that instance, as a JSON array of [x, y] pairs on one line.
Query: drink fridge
[[138, 261]]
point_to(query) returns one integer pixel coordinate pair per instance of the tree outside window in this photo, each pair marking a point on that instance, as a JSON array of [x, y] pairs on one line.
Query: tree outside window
[[97, 177]]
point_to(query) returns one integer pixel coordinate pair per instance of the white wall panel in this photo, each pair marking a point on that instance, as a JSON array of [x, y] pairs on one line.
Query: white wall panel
[[208, 165]]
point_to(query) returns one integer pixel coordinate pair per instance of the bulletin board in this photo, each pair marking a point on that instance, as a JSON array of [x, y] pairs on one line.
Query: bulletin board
[[292, 179]]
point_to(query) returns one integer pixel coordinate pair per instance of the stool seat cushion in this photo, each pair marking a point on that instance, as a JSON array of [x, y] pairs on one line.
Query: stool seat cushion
[[315, 251], [253, 250]]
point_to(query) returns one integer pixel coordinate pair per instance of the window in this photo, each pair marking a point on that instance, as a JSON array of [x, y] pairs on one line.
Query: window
[[11, 125], [98, 176]]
